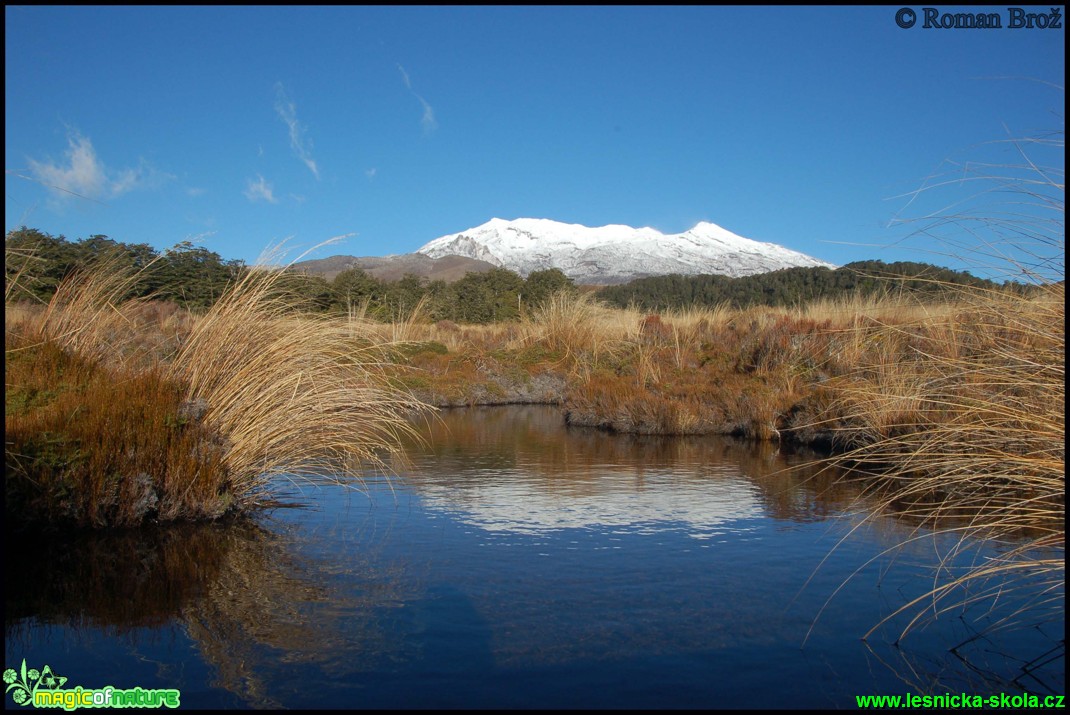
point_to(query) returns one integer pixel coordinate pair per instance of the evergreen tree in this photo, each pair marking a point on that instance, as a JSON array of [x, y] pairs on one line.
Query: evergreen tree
[[355, 286], [540, 285]]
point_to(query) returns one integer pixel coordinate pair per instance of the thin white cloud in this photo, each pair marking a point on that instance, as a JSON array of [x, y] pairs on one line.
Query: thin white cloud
[[260, 190], [428, 121], [287, 112], [405, 78], [83, 174], [199, 237], [370, 173], [195, 191], [126, 180]]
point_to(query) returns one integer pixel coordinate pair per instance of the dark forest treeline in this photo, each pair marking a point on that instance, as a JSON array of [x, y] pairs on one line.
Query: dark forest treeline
[[186, 274], [194, 277], [791, 286]]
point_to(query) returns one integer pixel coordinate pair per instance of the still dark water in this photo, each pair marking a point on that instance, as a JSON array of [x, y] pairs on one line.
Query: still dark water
[[516, 563]]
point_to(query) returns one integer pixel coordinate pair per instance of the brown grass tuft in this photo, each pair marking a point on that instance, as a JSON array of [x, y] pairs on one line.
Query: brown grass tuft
[[292, 394], [958, 419]]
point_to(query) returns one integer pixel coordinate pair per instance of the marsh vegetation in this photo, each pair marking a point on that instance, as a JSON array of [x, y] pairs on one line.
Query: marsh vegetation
[[121, 410]]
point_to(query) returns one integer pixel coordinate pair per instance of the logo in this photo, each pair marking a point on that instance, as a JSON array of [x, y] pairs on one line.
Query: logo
[[44, 689]]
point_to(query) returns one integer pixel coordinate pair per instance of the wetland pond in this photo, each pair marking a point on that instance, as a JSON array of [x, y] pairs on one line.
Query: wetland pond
[[517, 563]]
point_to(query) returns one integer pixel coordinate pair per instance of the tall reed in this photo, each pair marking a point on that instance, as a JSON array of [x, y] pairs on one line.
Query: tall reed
[[293, 394], [965, 430]]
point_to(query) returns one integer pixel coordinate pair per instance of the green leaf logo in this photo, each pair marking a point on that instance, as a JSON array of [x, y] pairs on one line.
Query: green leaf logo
[[25, 682]]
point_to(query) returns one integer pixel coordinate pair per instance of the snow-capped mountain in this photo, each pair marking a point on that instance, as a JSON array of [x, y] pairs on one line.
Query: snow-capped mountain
[[614, 254]]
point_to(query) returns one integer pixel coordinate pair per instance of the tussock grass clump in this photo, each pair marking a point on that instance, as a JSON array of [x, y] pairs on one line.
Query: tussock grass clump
[[959, 421], [966, 435], [571, 324], [293, 394], [565, 322], [95, 433], [120, 411], [618, 405]]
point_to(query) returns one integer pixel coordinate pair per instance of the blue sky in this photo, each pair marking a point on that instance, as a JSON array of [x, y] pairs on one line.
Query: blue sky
[[237, 128]]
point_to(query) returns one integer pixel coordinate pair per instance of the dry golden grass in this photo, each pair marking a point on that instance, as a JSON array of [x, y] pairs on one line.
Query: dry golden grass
[[293, 394], [965, 435], [956, 416], [567, 323], [884, 307], [88, 314], [17, 315]]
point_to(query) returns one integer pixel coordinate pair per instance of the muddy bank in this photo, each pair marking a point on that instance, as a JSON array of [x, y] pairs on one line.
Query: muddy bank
[[491, 384]]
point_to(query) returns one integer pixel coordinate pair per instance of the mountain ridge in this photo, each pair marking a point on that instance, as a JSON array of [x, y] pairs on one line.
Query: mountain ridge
[[615, 253], [603, 255]]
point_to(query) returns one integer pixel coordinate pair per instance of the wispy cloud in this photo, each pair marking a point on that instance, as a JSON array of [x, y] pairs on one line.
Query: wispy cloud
[[428, 120], [199, 237], [370, 173], [287, 112], [195, 191], [83, 174], [260, 190]]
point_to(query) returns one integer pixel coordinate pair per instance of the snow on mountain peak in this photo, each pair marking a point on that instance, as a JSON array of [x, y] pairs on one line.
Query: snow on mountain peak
[[615, 253]]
